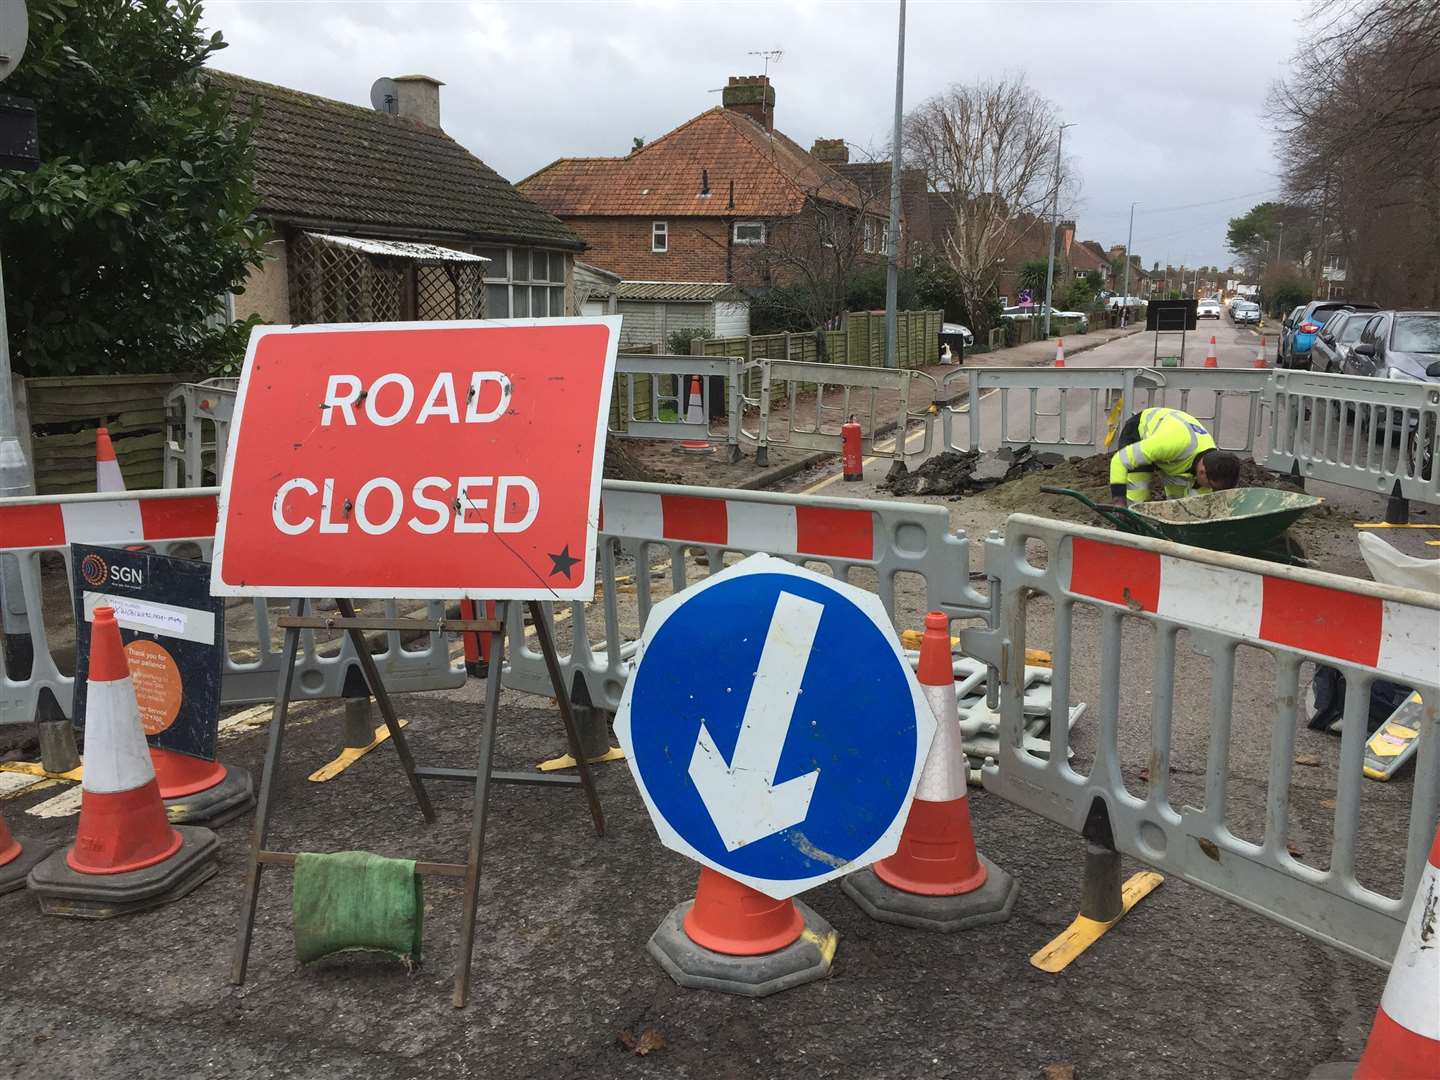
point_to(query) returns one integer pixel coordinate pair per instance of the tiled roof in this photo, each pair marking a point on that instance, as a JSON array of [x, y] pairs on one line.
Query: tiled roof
[[694, 291], [1084, 257], [772, 176], [324, 163]]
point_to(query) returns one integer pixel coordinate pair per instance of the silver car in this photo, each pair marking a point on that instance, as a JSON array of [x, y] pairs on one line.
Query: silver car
[[1244, 312]]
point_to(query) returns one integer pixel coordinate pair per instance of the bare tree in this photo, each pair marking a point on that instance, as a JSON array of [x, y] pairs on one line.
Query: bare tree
[[988, 150], [817, 251], [1359, 134]]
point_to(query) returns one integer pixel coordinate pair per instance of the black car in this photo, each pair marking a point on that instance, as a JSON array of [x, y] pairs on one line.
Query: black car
[[1335, 339], [1302, 325], [1402, 346]]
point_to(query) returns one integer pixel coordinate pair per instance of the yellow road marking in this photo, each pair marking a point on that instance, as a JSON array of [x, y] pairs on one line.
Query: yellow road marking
[[1083, 932], [34, 768], [350, 755], [565, 761]]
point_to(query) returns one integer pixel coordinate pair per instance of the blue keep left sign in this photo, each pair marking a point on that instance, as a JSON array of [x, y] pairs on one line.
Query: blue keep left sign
[[774, 727]]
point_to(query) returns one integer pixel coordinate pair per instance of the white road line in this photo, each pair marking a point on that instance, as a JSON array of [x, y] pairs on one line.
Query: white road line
[[66, 804]]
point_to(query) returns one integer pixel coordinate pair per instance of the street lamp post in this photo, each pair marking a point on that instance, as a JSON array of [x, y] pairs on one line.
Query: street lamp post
[[1125, 295], [1054, 223], [892, 266]]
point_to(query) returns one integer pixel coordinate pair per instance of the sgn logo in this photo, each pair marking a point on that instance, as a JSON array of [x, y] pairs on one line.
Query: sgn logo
[[126, 575]]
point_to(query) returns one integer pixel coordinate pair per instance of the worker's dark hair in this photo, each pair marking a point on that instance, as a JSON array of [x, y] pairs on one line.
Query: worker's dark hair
[[1221, 469]]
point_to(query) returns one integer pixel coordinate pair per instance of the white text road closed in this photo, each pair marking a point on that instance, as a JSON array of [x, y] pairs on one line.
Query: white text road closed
[[417, 459], [773, 726]]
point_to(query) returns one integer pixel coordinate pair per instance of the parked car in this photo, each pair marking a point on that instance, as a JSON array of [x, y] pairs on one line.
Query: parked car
[[1402, 345], [1336, 337], [1243, 312], [1207, 309], [1037, 310], [1301, 326]]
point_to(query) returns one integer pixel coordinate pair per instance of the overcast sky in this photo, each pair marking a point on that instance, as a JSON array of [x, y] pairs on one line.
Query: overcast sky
[[1166, 96]]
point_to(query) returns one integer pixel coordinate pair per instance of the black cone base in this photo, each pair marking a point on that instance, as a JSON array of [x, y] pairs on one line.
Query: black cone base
[[63, 891]]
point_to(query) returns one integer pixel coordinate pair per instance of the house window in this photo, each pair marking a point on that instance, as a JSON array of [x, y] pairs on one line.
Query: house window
[[826, 227], [660, 236], [1337, 292], [1334, 262], [523, 283], [749, 232]]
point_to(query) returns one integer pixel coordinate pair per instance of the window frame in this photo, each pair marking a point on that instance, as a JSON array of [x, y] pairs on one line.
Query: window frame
[[514, 284], [660, 230], [748, 223]]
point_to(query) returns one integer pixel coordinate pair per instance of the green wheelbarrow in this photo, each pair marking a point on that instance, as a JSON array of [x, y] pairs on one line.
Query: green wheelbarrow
[[1242, 521]]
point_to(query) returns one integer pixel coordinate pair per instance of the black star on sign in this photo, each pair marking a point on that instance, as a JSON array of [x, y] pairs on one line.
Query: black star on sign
[[563, 562]]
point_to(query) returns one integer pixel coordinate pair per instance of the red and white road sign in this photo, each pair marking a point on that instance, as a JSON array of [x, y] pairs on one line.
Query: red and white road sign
[[417, 460]]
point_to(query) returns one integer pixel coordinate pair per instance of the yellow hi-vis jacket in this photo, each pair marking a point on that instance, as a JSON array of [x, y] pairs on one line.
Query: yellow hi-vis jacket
[[1170, 441]]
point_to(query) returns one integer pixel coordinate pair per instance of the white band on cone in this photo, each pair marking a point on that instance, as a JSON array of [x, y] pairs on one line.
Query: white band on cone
[[946, 770], [116, 756], [1412, 992], [108, 476]]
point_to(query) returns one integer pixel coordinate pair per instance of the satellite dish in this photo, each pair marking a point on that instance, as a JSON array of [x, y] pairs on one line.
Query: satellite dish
[[14, 29], [384, 96]]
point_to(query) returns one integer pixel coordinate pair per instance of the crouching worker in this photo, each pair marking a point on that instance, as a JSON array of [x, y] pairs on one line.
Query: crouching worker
[[1175, 445]]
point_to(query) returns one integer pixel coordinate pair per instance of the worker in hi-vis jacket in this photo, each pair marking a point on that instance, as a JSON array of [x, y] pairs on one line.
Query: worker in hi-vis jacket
[[1175, 445]]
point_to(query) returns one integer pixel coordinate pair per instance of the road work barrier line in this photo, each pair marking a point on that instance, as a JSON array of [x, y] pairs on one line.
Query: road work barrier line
[[174, 522], [1221, 603]]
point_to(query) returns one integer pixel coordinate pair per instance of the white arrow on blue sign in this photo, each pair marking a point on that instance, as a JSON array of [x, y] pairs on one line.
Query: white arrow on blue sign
[[774, 727]]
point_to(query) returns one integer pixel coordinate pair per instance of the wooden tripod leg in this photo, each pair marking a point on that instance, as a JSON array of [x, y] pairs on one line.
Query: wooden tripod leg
[[387, 710], [261, 830], [562, 699], [479, 811]]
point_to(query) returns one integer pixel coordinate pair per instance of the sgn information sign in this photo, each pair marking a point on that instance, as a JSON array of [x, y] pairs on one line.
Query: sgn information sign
[[417, 460]]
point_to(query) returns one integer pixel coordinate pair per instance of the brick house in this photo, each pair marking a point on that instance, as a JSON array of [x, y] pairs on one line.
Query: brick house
[[725, 198], [381, 216], [873, 180]]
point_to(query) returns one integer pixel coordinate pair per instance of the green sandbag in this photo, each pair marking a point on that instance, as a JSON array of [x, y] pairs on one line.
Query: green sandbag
[[356, 900]]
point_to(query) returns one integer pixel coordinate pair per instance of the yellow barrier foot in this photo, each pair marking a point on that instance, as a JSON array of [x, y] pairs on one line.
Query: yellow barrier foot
[[1084, 932], [565, 761], [350, 755]]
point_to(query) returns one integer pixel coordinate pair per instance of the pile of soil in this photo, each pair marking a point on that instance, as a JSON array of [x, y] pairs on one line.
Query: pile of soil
[[620, 464], [958, 473]]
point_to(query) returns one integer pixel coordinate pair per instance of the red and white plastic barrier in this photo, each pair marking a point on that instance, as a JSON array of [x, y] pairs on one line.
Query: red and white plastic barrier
[[778, 528], [1311, 618], [106, 520]]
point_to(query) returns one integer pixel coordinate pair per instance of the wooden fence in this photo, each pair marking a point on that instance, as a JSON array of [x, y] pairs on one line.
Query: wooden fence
[[860, 342], [65, 411]]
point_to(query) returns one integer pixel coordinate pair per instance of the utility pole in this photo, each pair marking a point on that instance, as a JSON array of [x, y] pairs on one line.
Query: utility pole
[[1054, 223], [1125, 294], [1280, 245], [892, 266]]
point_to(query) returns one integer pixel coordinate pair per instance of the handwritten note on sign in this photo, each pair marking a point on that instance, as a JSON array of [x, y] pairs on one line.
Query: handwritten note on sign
[[417, 460]]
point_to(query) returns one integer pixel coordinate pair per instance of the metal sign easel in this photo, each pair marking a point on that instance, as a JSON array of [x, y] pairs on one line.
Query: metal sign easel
[[481, 776], [1169, 317]]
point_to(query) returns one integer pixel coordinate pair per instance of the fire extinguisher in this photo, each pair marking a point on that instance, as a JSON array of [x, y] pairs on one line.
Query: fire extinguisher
[[850, 459]]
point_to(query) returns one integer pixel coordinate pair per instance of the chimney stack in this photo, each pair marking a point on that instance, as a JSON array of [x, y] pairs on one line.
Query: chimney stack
[[752, 96], [1066, 237], [417, 97], [831, 151]]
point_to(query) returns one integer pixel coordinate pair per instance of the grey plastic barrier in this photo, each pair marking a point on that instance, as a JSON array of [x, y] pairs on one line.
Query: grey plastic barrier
[[38, 530], [1220, 603], [197, 436], [904, 552], [1069, 410], [667, 389], [1379, 435], [797, 407]]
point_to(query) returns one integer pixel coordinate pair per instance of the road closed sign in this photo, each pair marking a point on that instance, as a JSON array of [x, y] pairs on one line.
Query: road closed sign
[[417, 460]]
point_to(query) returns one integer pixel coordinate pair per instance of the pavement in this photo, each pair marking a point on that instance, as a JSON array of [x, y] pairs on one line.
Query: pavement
[[1187, 985]]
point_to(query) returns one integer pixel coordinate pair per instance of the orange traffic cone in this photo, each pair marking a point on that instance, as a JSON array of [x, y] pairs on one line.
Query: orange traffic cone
[[197, 791], [1405, 1038], [695, 414], [1060, 352], [126, 855], [736, 939], [1210, 360], [936, 880], [1259, 361], [107, 469], [17, 858]]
